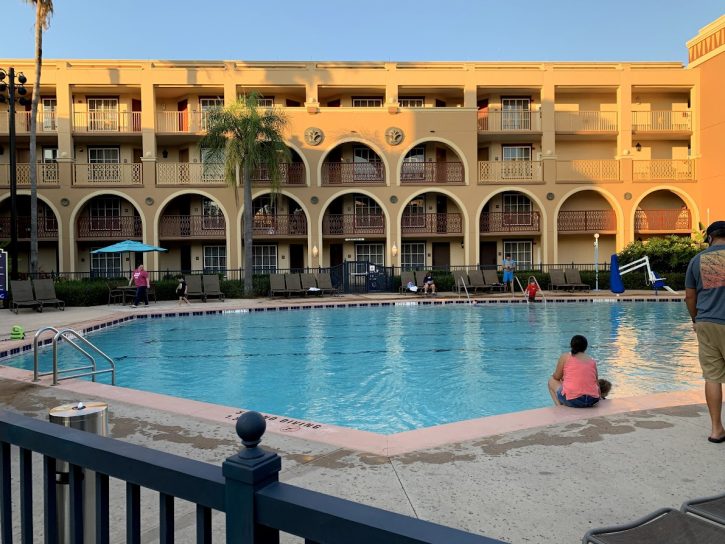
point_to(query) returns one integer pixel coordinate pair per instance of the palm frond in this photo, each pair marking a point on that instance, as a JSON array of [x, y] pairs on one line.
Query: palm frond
[[44, 11]]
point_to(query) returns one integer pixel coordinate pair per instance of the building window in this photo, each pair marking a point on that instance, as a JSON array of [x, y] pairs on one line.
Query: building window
[[516, 162], [412, 256], [267, 102], [366, 164], [105, 213], [264, 258], [368, 214], [104, 164], [212, 165], [215, 259], [103, 114], [212, 216], [48, 114], [414, 214], [206, 104], [367, 102], [105, 265], [516, 209], [411, 102], [368, 253], [516, 113], [414, 164], [49, 174], [521, 251]]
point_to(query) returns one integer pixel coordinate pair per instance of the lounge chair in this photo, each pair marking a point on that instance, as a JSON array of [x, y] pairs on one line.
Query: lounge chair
[[477, 283], [45, 294], [22, 292], [116, 293], [491, 278], [406, 278], [324, 282], [557, 280], [193, 287], [294, 286], [309, 284], [574, 279], [460, 280], [277, 285], [419, 283], [710, 508], [211, 287]]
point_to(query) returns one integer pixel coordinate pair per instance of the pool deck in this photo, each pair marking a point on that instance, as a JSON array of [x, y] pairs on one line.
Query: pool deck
[[544, 475]]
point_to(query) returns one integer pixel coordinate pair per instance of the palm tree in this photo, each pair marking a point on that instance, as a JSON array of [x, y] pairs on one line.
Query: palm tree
[[43, 11], [245, 137]]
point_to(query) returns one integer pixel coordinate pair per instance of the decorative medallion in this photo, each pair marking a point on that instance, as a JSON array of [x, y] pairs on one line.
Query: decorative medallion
[[550, 196], [64, 202], [394, 136], [149, 201], [393, 199], [627, 196], [314, 136], [314, 200]]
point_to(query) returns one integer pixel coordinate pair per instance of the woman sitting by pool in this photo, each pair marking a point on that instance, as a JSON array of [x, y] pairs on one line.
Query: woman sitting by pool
[[575, 382]]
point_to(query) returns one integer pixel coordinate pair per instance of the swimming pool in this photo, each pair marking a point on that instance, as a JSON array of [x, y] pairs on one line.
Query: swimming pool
[[390, 369]]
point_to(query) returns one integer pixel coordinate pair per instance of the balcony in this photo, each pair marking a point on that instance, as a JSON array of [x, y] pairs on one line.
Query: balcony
[[413, 173], [508, 222], [663, 221], [351, 224], [661, 121], [46, 122], [105, 174], [128, 122], [47, 228], [586, 121], [188, 173], [109, 228], [275, 226], [431, 223], [292, 173], [181, 122], [509, 172], [509, 121], [353, 173], [47, 174], [664, 170], [184, 227], [587, 170], [586, 221]]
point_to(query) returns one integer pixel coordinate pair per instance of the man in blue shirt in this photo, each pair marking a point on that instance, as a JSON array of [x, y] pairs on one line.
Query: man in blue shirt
[[509, 267], [705, 299]]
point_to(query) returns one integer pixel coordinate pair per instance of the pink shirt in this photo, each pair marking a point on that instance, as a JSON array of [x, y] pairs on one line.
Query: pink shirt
[[580, 378], [140, 278]]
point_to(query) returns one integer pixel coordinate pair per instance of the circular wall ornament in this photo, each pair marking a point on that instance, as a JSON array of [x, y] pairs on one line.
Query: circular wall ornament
[[314, 136], [394, 136], [314, 200], [550, 196], [627, 196], [149, 201], [64, 202], [393, 199]]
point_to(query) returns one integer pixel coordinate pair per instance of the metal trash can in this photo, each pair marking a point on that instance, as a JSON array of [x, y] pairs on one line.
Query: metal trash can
[[93, 418]]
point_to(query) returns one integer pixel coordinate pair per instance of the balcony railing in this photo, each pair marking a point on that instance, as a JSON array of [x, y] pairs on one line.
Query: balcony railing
[[588, 170], [586, 121], [192, 226], [290, 174], [349, 173], [46, 122], [664, 169], [509, 171], [108, 174], [294, 224], [412, 173], [47, 227], [107, 121], [496, 222], [432, 223], [47, 174], [181, 122], [95, 228], [587, 221], [661, 121], [353, 224], [509, 121], [189, 173], [663, 220]]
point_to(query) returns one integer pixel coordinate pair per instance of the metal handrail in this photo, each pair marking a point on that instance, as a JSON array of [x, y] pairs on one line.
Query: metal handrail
[[36, 365], [62, 334], [543, 296]]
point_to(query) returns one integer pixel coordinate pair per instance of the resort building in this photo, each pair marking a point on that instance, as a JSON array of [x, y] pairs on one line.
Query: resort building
[[403, 164]]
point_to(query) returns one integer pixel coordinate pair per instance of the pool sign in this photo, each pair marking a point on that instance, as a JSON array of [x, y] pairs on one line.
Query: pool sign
[[3, 274]]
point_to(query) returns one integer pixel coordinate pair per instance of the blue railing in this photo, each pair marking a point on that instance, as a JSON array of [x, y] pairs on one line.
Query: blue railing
[[245, 488]]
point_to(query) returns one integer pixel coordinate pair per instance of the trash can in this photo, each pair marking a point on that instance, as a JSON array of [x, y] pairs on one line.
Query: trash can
[[93, 418]]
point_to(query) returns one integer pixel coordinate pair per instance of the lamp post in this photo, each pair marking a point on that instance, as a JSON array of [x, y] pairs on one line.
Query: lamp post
[[21, 91], [596, 261]]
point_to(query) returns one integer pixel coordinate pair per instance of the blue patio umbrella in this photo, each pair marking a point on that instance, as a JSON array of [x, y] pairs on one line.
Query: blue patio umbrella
[[128, 246]]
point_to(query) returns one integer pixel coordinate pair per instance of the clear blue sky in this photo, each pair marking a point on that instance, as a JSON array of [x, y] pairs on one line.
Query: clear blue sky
[[397, 30]]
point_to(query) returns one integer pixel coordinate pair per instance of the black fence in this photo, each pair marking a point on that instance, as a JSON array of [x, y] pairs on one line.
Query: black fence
[[245, 488]]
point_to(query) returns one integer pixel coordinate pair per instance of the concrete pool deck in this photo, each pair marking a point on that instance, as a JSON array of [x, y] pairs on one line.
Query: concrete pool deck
[[542, 476]]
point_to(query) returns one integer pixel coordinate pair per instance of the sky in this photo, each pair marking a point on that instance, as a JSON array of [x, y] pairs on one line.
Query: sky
[[366, 30]]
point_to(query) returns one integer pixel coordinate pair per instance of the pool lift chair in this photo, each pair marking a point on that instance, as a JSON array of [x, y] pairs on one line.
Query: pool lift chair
[[651, 277]]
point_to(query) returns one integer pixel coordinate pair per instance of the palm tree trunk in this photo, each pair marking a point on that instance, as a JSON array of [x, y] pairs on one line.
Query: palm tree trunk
[[248, 257], [33, 140]]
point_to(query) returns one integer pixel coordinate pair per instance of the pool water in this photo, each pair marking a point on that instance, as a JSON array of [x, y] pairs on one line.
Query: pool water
[[391, 369]]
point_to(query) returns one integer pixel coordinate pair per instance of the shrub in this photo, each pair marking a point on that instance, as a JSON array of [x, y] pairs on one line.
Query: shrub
[[666, 254]]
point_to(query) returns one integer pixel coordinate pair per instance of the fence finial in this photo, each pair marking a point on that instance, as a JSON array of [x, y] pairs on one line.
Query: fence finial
[[250, 428]]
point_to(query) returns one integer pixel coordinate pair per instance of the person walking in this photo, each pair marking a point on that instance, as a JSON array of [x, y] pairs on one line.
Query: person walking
[[181, 290], [705, 299], [140, 279]]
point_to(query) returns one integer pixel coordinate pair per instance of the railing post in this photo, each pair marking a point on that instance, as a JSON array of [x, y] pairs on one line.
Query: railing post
[[250, 470]]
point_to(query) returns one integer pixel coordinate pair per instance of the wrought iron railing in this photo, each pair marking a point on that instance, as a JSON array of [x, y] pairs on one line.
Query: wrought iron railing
[[294, 224], [289, 173], [95, 228], [662, 121], [495, 222], [412, 173], [586, 121], [192, 226], [349, 173], [588, 170], [108, 173], [518, 120], [509, 171], [189, 173], [46, 174], [353, 224], [586, 221], [431, 223], [107, 121], [664, 169], [47, 227], [679, 220]]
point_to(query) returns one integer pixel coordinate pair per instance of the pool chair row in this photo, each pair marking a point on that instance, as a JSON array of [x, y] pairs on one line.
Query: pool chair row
[[567, 280], [486, 281], [203, 287], [23, 297], [699, 521], [301, 284]]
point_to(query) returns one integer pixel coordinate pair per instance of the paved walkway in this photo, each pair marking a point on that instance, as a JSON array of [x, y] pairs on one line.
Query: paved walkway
[[542, 484]]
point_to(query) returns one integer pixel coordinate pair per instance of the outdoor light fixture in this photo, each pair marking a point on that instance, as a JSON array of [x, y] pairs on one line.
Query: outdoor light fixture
[[165, 153], [315, 251], [596, 261], [394, 250], [638, 147]]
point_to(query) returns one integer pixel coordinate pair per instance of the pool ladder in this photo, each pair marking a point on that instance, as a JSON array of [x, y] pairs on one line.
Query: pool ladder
[[71, 337], [523, 291]]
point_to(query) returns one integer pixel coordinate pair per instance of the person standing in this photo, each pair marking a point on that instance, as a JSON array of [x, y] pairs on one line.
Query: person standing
[[181, 291], [509, 267], [705, 299], [140, 279]]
